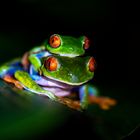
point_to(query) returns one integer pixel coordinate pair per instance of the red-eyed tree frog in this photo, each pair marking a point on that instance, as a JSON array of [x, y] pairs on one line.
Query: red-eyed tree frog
[[59, 72]]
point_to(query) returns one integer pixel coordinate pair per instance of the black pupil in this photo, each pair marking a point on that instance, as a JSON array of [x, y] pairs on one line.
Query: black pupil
[[48, 63], [53, 40]]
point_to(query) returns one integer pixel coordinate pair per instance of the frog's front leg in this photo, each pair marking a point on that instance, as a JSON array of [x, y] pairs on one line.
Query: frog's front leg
[[104, 102], [37, 52], [89, 95]]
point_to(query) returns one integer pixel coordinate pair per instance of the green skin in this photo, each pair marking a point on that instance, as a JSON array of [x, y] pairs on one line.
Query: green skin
[[74, 70], [70, 46]]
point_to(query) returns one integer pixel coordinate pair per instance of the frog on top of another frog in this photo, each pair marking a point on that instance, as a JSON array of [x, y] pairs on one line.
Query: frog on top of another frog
[[57, 44], [59, 70]]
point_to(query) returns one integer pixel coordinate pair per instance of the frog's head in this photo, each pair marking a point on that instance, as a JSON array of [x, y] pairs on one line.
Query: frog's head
[[71, 71], [67, 45]]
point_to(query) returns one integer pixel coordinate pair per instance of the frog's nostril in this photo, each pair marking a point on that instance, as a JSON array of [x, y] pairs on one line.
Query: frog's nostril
[[91, 64]]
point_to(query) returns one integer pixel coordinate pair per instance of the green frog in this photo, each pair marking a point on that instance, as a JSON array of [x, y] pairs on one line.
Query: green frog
[[56, 44], [62, 76]]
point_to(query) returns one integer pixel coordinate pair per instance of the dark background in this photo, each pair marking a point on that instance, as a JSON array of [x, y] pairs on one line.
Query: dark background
[[27, 23]]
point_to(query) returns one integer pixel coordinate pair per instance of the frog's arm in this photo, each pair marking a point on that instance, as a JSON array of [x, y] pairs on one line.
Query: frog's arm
[[34, 56], [89, 95], [37, 49], [35, 59], [25, 59], [24, 78], [83, 94]]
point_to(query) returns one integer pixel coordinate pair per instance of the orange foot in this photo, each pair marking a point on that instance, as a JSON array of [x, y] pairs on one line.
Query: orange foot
[[104, 102], [10, 79], [70, 103]]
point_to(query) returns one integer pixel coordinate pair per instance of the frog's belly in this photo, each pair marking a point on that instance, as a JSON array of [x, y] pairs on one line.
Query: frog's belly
[[58, 91], [51, 83], [58, 88]]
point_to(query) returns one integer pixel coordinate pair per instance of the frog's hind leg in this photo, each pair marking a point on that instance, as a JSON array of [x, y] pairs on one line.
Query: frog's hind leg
[[7, 71], [70, 103], [10, 79]]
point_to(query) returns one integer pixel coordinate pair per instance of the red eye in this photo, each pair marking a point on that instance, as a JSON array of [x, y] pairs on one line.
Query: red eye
[[86, 43], [54, 41], [51, 63], [91, 64]]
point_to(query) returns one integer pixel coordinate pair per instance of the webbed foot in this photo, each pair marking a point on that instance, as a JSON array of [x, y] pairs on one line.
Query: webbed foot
[[105, 103], [70, 103], [10, 79]]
